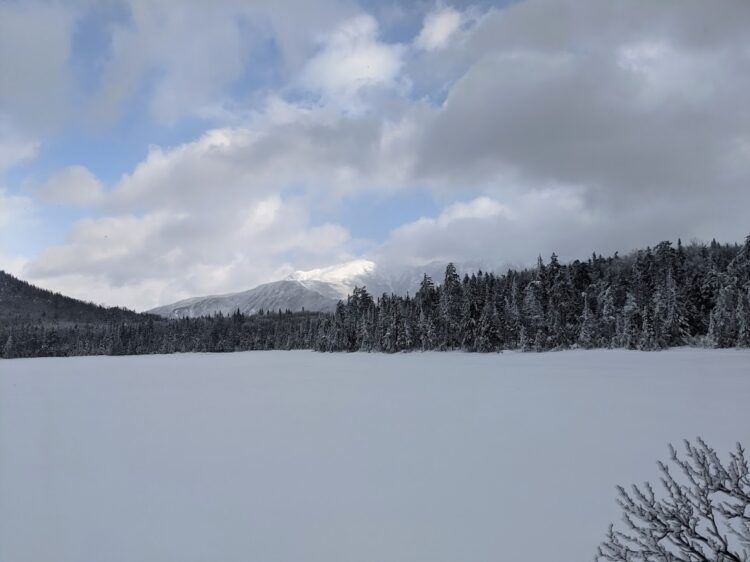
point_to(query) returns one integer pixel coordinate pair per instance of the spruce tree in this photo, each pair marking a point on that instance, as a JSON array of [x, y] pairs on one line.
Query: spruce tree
[[539, 341], [648, 341], [743, 319], [676, 328], [451, 300], [489, 329], [512, 314], [722, 330], [587, 335], [561, 305], [533, 311], [9, 349], [523, 339]]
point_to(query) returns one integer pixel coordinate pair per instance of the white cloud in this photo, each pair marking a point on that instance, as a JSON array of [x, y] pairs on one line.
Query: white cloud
[[74, 185], [351, 61], [14, 148], [438, 28], [196, 49], [12, 264], [480, 208], [17, 220], [183, 56], [509, 228], [207, 216], [14, 209]]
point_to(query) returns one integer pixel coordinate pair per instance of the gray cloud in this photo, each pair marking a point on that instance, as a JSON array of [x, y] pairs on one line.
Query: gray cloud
[[641, 107], [35, 43], [602, 95]]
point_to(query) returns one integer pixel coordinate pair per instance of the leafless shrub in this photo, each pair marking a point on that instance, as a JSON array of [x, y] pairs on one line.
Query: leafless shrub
[[704, 515]]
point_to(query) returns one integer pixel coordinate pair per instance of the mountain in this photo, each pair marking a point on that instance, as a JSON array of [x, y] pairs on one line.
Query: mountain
[[286, 294], [21, 302], [312, 290]]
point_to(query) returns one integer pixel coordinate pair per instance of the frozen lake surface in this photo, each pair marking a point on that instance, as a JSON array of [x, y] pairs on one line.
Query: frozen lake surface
[[298, 456]]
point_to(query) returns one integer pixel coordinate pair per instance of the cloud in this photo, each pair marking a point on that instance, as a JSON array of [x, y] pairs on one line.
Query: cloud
[[544, 125], [74, 185], [195, 49], [231, 209], [574, 93], [14, 208], [35, 45], [184, 58], [175, 255], [351, 61], [439, 27], [284, 146], [17, 218], [485, 230], [14, 147], [12, 264], [212, 215], [512, 228], [480, 208]]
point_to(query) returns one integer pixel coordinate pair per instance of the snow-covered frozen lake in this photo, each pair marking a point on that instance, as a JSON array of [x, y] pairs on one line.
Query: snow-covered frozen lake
[[298, 456]]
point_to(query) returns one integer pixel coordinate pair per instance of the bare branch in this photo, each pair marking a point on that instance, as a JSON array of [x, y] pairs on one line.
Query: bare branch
[[703, 516]]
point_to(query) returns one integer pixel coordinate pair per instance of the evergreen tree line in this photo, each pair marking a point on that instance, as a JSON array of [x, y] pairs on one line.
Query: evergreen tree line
[[651, 299], [236, 332]]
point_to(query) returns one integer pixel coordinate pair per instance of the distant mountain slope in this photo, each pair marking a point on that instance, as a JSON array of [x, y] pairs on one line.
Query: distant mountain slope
[[21, 302], [316, 290], [291, 294]]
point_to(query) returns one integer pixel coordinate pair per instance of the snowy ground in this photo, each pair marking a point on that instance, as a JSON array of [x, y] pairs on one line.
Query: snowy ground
[[297, 456]]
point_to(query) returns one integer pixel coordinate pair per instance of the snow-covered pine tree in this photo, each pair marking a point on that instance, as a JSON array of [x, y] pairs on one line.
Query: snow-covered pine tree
[[608, 325], [560, 305], [587, 335], [739, 267], [658, 316], [365, 332], [743, 319], [9, 349], [539, 341], [469, 314], [722, 328], [523, 339], [533, 312], [408, 333], [451, 299], [489, 328], [512, 314], [648, 340], [675, 323]]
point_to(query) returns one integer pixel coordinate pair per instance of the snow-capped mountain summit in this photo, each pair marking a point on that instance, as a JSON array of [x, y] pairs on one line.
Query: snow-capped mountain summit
[[344, 276], [285, 294], [315, 289]]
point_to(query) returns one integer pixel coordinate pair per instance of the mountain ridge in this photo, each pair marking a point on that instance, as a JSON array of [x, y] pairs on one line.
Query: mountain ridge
[[285, 294], [21, 301], [316, 290]]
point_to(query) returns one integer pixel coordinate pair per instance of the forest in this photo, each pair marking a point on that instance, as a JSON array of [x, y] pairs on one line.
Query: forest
[[651, 299]]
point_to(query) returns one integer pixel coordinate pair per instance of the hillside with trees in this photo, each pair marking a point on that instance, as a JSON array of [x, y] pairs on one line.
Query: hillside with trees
[[23, 303], [651, 299]]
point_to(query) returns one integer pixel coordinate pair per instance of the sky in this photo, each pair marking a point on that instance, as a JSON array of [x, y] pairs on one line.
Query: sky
[[153, 150]]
